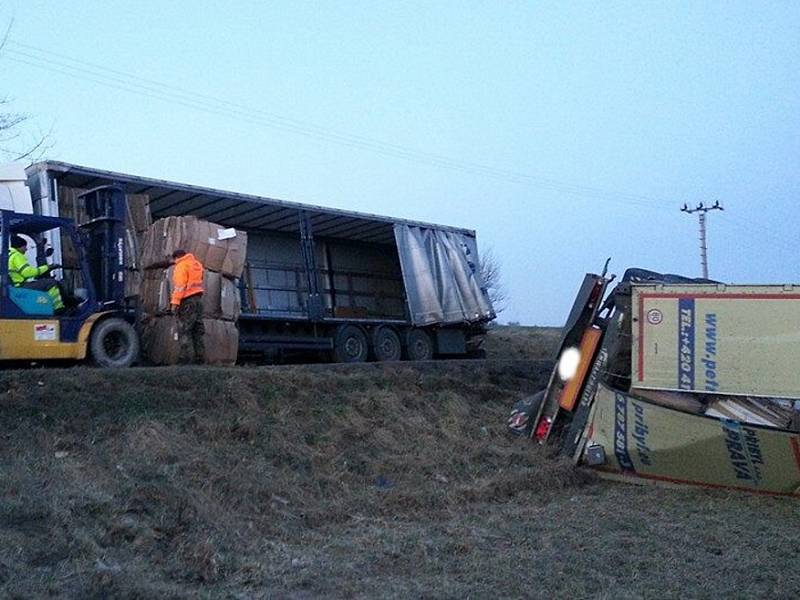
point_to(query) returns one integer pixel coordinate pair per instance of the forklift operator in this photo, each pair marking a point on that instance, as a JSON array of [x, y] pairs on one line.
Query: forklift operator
[[22, 274]]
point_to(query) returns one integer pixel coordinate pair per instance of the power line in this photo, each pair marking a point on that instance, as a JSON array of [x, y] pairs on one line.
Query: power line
[[114, 78], [150, 88], [748, 226]]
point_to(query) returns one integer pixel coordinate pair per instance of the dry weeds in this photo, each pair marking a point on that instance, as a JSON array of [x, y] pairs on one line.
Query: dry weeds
[[339, 481]]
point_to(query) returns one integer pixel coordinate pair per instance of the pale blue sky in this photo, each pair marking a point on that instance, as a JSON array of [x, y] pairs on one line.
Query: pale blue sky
[[562, 132]]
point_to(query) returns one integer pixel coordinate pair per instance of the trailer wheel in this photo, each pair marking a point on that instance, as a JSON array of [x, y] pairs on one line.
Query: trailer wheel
[[419, 345], [114, 343], [386, 344], [350, 344]]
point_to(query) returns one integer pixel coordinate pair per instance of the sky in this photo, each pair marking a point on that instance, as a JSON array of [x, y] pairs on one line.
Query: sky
[[564, 133]]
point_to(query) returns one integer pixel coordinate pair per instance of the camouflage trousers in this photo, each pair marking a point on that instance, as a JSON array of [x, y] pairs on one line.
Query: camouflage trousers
[[191, 330]]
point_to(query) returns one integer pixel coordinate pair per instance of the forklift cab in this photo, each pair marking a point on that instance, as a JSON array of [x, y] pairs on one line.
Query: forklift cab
[[18, 302], [29, 327]]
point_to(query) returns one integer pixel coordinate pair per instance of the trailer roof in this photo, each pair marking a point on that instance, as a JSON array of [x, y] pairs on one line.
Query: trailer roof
[[232, 209]]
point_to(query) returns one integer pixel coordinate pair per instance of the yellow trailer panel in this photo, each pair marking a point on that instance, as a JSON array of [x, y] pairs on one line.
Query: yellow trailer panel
[[649, 442], [722, 339]]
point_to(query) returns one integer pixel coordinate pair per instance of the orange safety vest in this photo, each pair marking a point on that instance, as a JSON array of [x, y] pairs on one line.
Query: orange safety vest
[[187, 278]]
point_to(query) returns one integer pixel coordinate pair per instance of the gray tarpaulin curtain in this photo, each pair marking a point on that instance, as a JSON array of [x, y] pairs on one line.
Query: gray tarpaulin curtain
[[442, 279]]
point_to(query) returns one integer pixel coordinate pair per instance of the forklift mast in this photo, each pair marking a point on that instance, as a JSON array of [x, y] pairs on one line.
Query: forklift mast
[[104, 236]]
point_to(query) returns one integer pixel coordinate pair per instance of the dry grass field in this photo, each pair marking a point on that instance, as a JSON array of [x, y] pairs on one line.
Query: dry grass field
[[336, 481]]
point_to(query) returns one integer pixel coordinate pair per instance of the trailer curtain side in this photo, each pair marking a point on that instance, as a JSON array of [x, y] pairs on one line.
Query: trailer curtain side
[[442, 276], [309, 261]]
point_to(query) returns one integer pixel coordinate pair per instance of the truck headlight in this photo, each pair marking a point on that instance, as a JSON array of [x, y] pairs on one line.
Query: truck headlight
[[568, 363]]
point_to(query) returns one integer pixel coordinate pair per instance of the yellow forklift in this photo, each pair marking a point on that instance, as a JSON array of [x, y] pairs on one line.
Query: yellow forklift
[[100, 324]]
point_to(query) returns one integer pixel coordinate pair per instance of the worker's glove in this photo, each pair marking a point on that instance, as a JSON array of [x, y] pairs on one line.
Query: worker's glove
[[173, 309], [48, 252]]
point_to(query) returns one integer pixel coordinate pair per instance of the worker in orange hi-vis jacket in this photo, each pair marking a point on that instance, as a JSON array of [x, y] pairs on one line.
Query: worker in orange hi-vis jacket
[[187, 304]]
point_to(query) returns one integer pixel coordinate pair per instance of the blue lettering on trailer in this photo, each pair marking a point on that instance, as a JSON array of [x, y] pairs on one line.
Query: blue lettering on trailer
[[640, 434], [744, 451], [621, 432], [710, 359], [686, 344]]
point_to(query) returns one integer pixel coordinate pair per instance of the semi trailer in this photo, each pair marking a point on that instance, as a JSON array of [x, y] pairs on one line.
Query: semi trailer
[[352, 285], [675, 380]]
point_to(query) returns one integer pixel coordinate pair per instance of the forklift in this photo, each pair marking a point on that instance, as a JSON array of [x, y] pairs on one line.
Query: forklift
[[99, 326]]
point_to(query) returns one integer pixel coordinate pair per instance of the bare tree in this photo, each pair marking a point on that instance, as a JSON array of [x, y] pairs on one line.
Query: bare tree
[[16, 140], [492, 281]]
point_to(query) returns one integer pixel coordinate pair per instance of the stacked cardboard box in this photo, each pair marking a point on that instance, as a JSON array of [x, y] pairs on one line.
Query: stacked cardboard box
[[160, 340], [222, 252], [758, 411], [138, 220], [219, 249], [221, 297]]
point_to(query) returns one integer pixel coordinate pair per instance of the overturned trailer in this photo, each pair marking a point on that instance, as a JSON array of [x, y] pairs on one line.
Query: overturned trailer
[[315, 279], [676, 380]]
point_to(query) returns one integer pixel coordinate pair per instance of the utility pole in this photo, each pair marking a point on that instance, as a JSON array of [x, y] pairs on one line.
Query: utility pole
[[701, 211]]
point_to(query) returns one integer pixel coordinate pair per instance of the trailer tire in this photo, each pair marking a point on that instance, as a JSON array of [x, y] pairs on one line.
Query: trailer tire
[[419, 345], [386, 346], [114, 343], [350, 344]]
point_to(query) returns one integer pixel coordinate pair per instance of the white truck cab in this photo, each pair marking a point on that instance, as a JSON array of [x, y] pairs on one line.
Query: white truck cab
[[14, 193], [15, 196]]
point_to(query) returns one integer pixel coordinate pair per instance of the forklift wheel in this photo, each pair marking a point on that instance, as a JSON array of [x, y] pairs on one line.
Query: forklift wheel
[[114, 343]]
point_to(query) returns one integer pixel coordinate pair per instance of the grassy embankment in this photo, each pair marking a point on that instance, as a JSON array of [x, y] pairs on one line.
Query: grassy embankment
[[331, 481]]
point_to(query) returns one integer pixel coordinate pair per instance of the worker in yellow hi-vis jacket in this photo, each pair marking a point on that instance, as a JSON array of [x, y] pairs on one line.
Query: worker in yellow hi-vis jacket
[[23, 274]]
